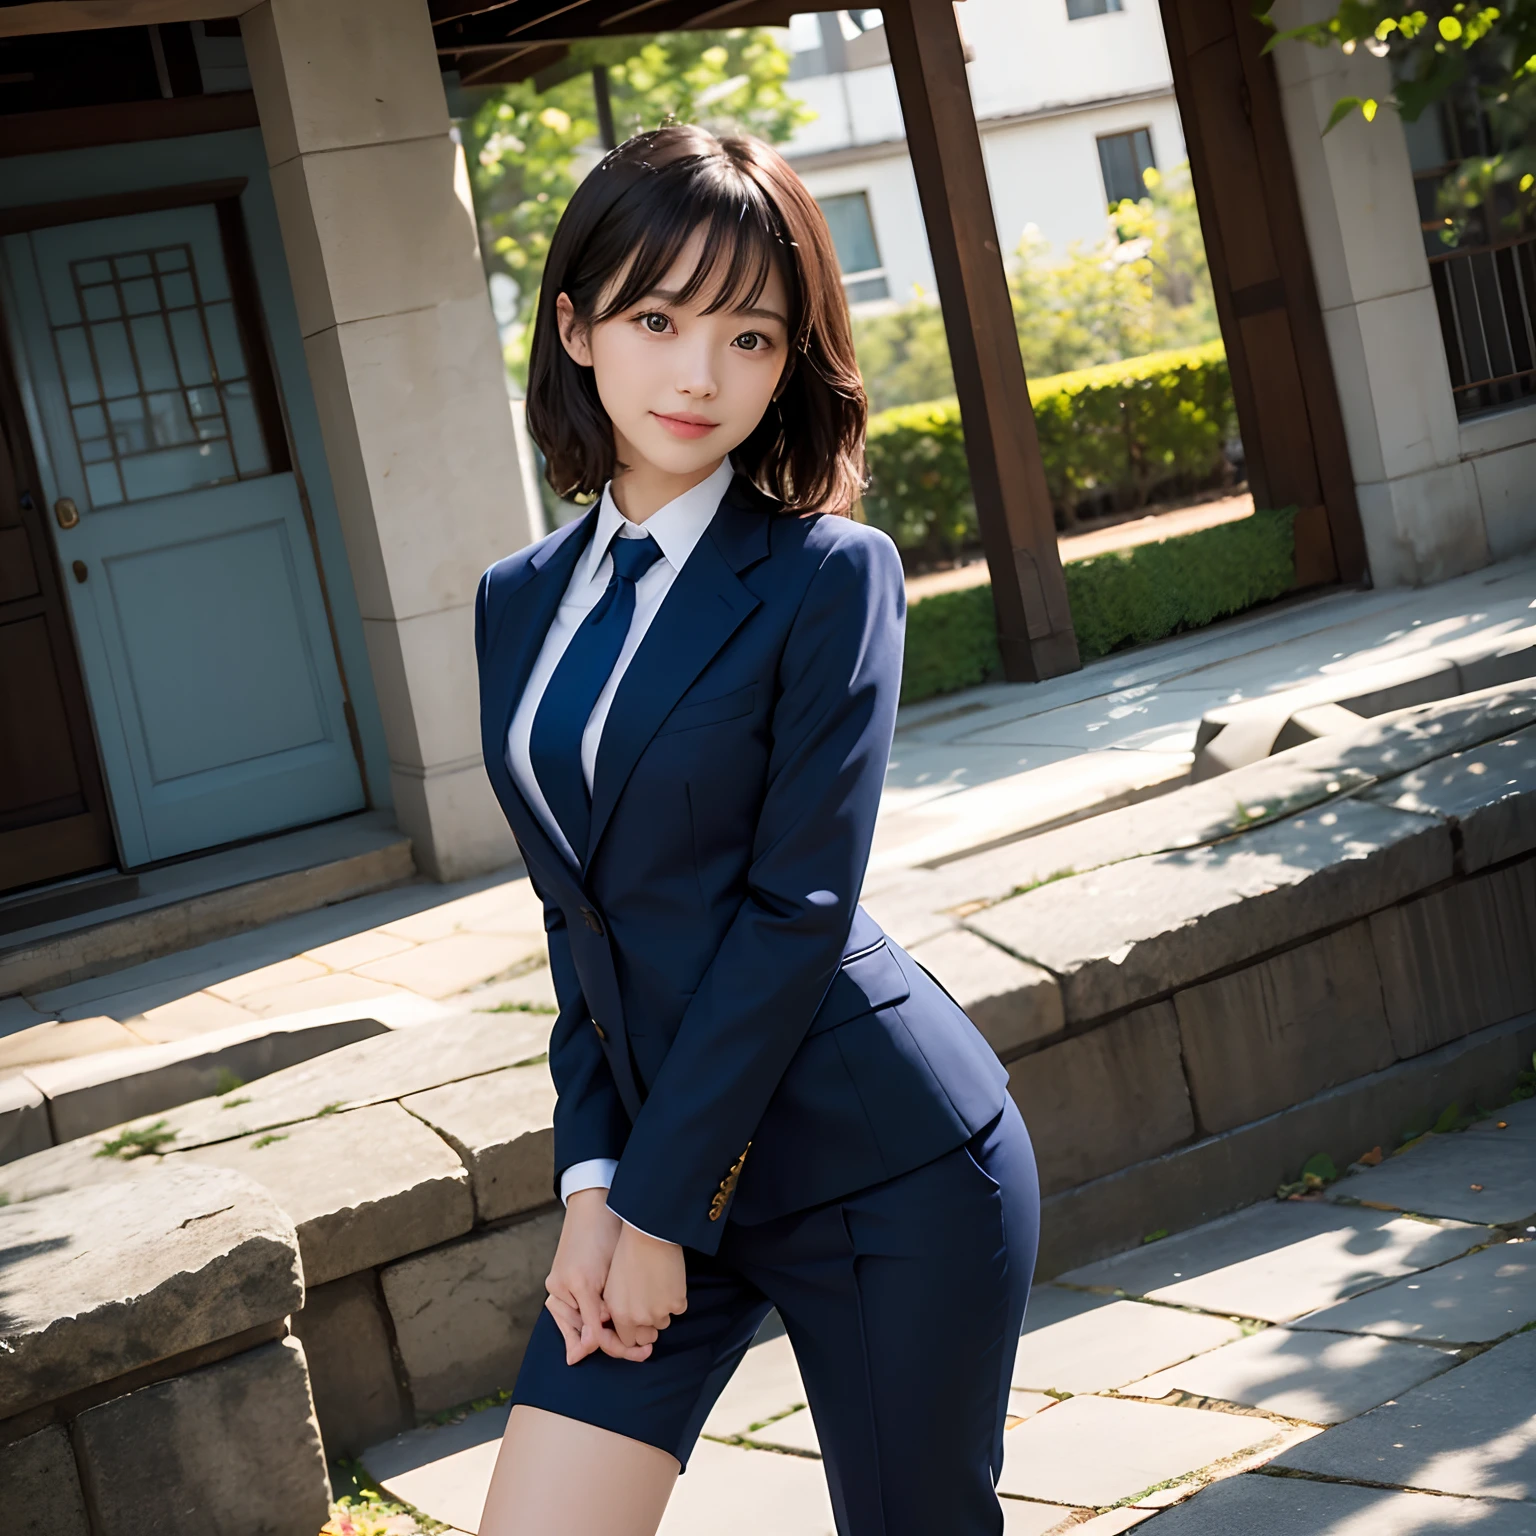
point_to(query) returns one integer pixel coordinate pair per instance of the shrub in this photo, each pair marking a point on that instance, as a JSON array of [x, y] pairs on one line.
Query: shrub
[[1125, 598], [1123, 430]]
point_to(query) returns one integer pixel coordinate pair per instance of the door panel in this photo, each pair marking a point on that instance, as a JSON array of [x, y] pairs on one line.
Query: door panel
[[197, 605]]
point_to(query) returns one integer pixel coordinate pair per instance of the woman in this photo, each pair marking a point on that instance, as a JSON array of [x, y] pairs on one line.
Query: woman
[[688, 697]]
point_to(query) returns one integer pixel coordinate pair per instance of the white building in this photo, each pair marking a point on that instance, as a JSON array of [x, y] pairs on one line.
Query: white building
[[1074, 99]]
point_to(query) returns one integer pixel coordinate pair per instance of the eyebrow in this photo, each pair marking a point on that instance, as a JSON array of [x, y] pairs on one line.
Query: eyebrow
[[671, 296]]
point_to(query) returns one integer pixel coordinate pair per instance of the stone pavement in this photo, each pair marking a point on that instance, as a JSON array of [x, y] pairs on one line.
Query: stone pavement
[[1361, 1362], [968, 772]]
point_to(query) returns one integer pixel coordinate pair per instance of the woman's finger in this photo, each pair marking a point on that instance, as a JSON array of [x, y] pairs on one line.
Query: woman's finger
[[568, 1321], [612, 1345]]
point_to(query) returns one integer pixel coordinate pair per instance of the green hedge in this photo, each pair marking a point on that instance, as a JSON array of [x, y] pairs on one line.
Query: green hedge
[[1124, 429], [1125, 598]]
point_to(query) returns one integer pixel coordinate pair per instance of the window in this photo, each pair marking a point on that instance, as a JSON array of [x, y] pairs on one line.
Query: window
[[1080, 10], [1123, 158], [853, 234]]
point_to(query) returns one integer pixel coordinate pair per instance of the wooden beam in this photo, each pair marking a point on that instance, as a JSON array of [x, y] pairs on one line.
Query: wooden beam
[[1013, 505], [128, 122], [570, 21]]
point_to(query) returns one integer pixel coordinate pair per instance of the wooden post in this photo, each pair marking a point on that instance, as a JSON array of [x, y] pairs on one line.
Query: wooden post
[[1013, 506]]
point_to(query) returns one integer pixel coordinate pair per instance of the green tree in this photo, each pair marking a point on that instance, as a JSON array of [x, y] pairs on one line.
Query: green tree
[[528, 149], [1144, 288]]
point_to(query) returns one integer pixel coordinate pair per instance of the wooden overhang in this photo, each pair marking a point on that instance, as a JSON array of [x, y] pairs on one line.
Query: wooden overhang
[[500, 41]]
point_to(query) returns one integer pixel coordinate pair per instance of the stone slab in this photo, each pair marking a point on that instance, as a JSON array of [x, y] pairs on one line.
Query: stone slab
[[1436, 1178], [766, 1494], [390, 1066], [1458, 959], [444, 1470], [57, 1040], [233, 1446], [90, 1093], [1196, 1183], [1517, 1120], [1318, 1377], [103, 1280], [1272, 1034], [71, 1166], [361, 1187], [1013, 1004], [1472, 1300], [1109, 1346], [501, 1125], [39, 1487], [1064, 1456], [1293, 1506], [1487, 793], [1471, 1431], [1130, 1072], [359, 1398], [1279, 1260], [1023, 1517], [1140, 929], [462, 1313], [766, 1384], [23, 1119]]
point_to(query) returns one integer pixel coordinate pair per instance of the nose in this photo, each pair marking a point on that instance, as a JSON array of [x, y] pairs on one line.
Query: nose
[[696, 375]]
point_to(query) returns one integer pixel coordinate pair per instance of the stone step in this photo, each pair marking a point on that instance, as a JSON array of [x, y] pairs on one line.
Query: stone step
[[197, 900]]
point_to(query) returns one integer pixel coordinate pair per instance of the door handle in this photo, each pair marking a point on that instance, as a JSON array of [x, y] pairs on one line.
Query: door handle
[[66, 512], [80, 571]]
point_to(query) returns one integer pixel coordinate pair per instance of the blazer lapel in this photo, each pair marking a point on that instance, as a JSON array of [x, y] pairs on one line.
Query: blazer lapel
[[706, 606]]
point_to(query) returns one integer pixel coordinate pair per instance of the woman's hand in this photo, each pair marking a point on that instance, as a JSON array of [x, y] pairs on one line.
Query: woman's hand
[[575, 1282], [647, 1286]]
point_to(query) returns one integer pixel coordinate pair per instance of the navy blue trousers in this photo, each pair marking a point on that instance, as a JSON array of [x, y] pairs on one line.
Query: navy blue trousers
[[903, 1303]]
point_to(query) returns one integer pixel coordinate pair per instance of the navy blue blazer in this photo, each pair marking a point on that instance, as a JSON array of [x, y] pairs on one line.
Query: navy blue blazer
[[718, 984]]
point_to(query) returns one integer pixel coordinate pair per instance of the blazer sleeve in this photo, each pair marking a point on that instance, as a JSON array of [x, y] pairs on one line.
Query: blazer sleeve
[[839, 677], [590, 1120]]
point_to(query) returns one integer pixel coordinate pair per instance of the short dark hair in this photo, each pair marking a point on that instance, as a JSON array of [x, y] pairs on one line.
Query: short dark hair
[[631, 217]]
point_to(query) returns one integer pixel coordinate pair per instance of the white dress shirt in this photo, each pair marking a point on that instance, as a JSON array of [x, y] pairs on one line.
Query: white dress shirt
[[676, 528]]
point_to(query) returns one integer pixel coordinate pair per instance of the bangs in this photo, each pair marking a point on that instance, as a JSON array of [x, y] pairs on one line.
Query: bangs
[[743, 243]]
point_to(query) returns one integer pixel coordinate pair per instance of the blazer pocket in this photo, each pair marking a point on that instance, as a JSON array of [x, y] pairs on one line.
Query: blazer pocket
[[864, 983], [729, 706]]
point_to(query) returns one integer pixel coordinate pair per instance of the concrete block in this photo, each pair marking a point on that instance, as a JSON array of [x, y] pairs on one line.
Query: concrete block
[[463, 1313], [388, 1067], [1463, 1178], [23, 1119], [1474, 1300], [1510, 658], [1423, 527], [1487, 793], [90, 1093], [1468, 1432], [501, 1126], [1266, 1037], [1141, 929], [1316, 720], [359, 1396], [58, 1041], [361, 1188], [1129, 1072], [1059, 1455], [1294, 1506], [1312, 1376], [71, 1166], [1108, 1346], [1278, 1261], [39, 1487], [1458, 959], [231, 1447], [101, 1281], [1013, 1004], [1219, 1174]]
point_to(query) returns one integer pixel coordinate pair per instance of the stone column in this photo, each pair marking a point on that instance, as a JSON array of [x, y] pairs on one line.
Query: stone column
[[373, 199], [1420, 505]]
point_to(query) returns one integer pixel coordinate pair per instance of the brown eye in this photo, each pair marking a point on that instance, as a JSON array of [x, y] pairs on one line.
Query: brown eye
[[655, 324], [751, 341]]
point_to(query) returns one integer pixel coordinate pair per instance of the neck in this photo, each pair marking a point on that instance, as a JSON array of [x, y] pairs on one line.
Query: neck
[[641, 489]]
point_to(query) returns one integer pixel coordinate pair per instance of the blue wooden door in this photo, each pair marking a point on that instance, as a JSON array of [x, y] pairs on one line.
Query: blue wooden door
[[182, 537]]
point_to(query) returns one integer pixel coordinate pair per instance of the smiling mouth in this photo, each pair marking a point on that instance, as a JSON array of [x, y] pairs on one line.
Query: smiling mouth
[[686, 426]]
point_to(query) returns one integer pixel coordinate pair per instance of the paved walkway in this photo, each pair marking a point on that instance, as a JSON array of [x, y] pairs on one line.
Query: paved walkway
[[1360, 1362], [968, 771]]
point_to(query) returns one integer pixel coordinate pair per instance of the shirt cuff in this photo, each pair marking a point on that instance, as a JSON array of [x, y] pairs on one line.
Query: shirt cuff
[[595, 1173]]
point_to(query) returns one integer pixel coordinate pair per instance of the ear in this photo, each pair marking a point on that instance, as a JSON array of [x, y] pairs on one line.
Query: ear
[[574, 336]]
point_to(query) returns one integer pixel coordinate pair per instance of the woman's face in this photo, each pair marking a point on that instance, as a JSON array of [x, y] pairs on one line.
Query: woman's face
[[682, 387]]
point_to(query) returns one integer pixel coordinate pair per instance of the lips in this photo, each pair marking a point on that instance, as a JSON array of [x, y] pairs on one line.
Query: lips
[[685, 425]]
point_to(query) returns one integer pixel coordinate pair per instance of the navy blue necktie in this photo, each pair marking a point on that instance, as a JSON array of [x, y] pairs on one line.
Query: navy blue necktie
[[554, 743]]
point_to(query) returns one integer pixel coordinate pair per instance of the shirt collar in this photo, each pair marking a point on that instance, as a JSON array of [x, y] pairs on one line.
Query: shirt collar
[[676, 527]]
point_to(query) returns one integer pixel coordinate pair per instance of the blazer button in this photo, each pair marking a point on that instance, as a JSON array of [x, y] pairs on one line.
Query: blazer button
[[593, 921], [602, 1034]]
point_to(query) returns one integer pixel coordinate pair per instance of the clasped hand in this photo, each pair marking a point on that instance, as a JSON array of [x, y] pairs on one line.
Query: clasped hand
[[612, 1288]]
